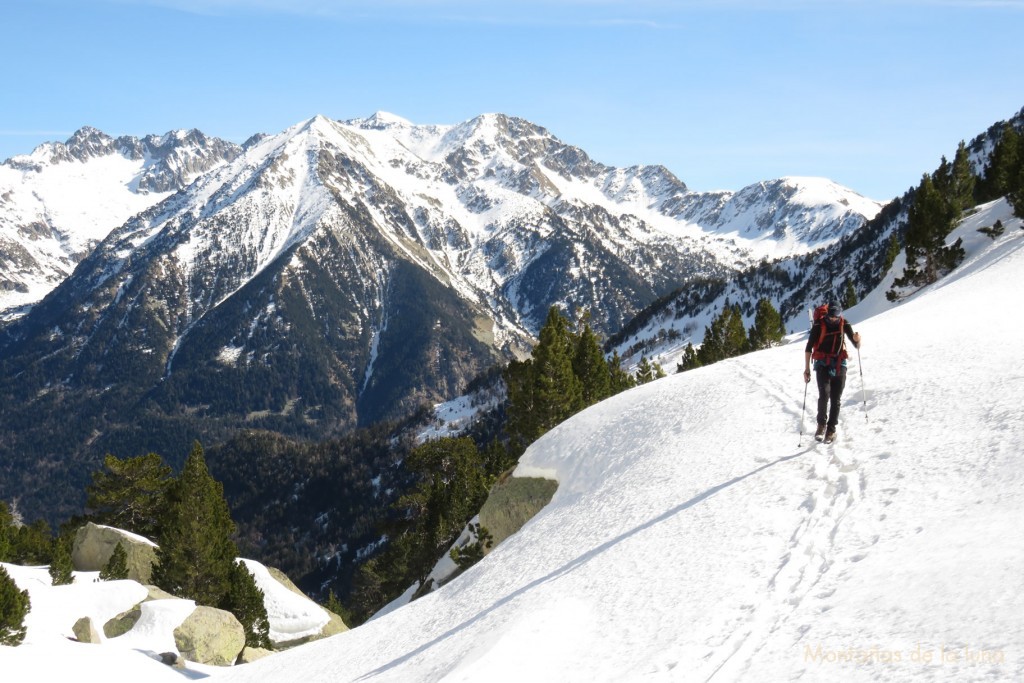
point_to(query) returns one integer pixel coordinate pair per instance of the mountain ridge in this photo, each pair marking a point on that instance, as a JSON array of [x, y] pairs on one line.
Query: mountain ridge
[[341, 273]]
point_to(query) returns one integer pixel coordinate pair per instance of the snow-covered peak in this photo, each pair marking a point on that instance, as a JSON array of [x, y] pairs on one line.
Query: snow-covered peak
[[382, 120], [62, 199]]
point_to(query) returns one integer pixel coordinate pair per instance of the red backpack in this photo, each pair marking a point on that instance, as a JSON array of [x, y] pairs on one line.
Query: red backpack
[[835, 336]]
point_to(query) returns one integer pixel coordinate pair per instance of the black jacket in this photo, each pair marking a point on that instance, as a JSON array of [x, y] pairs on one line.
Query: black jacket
[[831, 343]]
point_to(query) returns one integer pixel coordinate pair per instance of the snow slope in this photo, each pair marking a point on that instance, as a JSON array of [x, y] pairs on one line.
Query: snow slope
[[697, 535], [50, 653], [692, 539]]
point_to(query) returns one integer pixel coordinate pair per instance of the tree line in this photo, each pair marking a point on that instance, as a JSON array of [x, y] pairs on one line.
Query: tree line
[[943, 197], [726, 336]]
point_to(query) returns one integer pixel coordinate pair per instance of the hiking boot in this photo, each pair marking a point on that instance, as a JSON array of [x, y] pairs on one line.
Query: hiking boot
[[830, 435], [820, 434]]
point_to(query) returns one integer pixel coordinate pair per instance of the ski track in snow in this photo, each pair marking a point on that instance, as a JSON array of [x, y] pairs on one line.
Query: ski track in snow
[[834, 487]]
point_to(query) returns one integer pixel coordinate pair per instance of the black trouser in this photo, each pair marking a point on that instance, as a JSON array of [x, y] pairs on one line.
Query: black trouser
[[830, 389]]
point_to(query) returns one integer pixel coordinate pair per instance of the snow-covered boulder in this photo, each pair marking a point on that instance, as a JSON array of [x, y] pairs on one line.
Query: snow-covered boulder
[[294, 618], [94, 544], [210, 636]]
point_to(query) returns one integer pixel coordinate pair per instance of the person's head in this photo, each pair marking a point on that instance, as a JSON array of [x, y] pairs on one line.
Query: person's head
[[834, 310]]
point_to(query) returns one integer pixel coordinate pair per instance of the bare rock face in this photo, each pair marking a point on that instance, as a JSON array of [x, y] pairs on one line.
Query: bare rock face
[[210, 636], [95, 544], [85, 631]]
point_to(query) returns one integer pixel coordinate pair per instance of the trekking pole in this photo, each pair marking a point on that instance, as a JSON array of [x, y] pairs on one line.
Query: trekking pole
[[803, 411], [863, 393]]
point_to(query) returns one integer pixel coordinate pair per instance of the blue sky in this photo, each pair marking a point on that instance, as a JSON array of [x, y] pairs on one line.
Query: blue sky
[[869, 93]]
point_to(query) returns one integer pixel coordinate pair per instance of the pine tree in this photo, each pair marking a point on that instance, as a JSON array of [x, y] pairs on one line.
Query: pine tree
[[471, 553], [14, 605], [644, 371], [128, 493], [768, 329], [117, 566], [892, 251], [32, 544], [7, 531], [724, 338], [333, 604], [60, 563], [450, 489], [850, 296], [246, 601], [960, 190], [496, 459], [1004, 165], [690, 358], [544, 390], [590, 367], [196, 554], [618, 379], [523, 420], [647, 371], [558, 392], [929, 220]]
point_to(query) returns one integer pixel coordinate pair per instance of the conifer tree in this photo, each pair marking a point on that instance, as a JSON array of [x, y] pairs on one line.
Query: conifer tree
[[32, 543], [523, 421], [14, 605], [117, 566], [60, 563], [850, 295], [618, 379], [544, 390], [1004, 165], [196, 554], [7, 531], [929, 220], [128, 493], [558, 392], [496, 459], [648, 371], [450, 489], [246, 601], [960, 190], [768, 329], [333, 604], [724, 338], [892, 251], [691, 359], [590, 367]]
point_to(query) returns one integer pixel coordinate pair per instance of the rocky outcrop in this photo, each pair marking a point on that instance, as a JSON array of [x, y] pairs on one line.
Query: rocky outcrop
[[210, 636], [512, 503], [94, 544], [85, 631], [122, 623]]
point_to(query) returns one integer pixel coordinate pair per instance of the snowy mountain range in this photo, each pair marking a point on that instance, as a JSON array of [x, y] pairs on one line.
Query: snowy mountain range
[[466, 188], [699, 533], [339, 273], [57, 203]]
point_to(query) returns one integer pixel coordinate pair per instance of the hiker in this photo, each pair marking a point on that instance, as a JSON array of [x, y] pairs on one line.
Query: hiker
[[826, 344]]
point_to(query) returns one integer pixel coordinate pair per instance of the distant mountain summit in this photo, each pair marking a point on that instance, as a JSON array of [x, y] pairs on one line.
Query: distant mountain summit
[[340, 273], [58, 202]]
